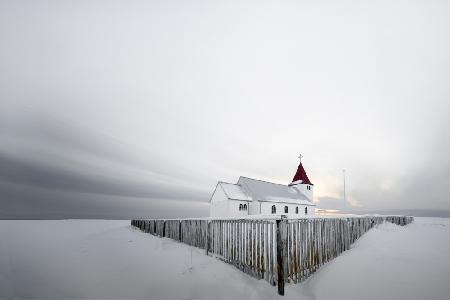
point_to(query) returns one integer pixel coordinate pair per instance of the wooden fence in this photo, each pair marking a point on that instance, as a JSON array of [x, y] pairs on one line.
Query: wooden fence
[[279, 250]]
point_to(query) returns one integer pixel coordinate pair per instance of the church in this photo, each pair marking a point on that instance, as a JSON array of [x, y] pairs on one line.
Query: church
[[257, 197]]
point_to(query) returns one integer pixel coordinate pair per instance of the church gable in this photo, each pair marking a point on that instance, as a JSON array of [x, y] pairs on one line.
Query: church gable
[[234, 191]]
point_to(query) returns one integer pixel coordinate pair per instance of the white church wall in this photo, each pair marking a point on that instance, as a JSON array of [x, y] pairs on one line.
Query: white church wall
[[222, 207], [266, 209], [254, 208], [233, 208], [219, 204], [304, 189]]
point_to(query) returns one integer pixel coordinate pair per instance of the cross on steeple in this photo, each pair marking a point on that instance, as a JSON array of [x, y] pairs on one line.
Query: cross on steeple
[[300, 157]]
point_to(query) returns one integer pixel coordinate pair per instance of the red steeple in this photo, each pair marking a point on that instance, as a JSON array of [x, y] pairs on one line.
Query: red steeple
[[301, 175]]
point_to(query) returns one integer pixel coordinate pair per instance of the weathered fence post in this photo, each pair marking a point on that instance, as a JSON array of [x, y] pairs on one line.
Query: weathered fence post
[[207, 237], [281, 252]]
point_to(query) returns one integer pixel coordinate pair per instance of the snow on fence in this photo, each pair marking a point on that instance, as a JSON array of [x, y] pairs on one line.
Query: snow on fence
[[270, 248]]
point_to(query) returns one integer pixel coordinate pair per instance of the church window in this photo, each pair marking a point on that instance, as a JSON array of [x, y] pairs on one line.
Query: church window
[[286, 209], [245, 206], [240, 206], [296, 210], [306, 210], [274, 209]]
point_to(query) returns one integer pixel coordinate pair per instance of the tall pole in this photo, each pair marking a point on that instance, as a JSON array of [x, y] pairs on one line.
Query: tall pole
[[343, 175]]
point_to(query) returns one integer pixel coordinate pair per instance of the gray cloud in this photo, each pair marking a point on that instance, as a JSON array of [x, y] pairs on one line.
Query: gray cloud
[[45, 176], [24, 201], [51, 168]]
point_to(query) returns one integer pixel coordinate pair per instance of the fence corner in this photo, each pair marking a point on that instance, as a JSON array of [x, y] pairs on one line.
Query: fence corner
[[281, 252]]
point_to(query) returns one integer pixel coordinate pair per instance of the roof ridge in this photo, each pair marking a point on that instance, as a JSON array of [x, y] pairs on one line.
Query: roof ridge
[[263, 181], [226, 182]]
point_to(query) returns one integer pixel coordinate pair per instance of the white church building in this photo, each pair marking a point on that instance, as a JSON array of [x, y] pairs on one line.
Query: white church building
[[257, 197]]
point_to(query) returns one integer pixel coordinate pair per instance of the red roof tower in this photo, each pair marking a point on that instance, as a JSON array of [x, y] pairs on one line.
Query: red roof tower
[[301, 175]]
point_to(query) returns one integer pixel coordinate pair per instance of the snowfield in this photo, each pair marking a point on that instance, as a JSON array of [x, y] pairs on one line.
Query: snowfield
[[97, 259]]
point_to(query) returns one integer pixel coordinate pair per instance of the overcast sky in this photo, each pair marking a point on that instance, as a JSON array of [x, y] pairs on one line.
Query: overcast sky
[[118, 108]]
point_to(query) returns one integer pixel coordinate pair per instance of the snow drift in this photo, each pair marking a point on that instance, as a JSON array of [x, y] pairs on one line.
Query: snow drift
[[85, 259]]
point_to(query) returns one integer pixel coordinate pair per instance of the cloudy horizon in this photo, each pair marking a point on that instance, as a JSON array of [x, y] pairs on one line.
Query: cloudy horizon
[[116, 109]]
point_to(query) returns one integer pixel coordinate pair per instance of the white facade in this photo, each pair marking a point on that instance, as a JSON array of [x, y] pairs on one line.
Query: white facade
[[306, 189], [256, 197], [222, 206], [293, 209]]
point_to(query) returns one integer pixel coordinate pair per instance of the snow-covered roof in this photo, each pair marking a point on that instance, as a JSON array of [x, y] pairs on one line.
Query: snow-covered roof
[[248, 189], [268, 191], [233, 191]]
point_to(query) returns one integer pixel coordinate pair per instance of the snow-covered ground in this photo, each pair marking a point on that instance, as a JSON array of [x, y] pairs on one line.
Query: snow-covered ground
[[93, 259]]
